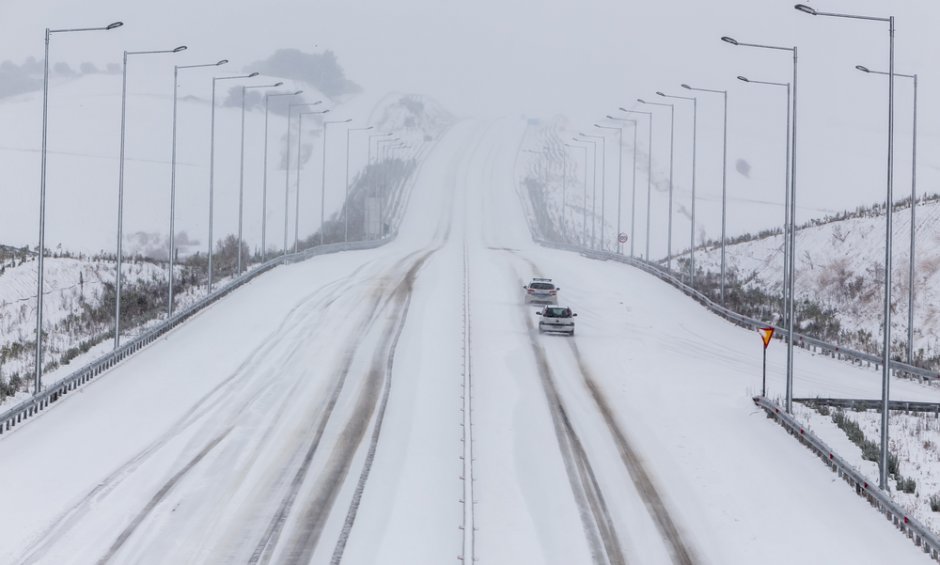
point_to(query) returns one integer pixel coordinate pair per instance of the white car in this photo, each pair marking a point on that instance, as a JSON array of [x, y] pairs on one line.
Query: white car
[[556, 319], [541, 291]]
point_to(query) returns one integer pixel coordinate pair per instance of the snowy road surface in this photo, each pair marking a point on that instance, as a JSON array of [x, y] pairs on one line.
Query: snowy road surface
[[315, 417]]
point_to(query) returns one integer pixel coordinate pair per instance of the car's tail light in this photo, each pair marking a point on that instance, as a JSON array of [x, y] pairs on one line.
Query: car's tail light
[[552, 292], [530, 291]]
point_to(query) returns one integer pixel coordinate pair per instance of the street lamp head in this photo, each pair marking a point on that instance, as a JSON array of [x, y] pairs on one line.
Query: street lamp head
[[222, 62], [113, 25], [298, 92], [254, 74], [863, 69], [640, 100], [685, 86], [277, 84], [730, 40], [180, 48], [805, 9], [743, 78], [609, 117], [660, 93], [346, 121]]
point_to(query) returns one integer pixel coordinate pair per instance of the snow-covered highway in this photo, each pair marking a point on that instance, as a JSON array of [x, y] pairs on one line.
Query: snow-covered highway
[[314, 416]]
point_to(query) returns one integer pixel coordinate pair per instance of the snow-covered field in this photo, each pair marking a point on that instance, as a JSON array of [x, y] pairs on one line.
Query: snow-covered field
[[247, 431]]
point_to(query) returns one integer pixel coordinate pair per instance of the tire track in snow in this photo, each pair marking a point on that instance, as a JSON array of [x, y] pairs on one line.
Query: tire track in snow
[[316, 511], [302, 544], [595, 516], [681, 553], [299, 316], [592, 508], [159, 496]]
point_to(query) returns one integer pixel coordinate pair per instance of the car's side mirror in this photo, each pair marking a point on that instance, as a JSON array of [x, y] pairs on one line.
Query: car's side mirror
[[557, 289], [538, 313], [524, 287], [575, 314]]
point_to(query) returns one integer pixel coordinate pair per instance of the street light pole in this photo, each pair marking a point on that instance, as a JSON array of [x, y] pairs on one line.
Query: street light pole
[[212, 169], [264, 186], [176, 70], [323, 176], [619, 191], [300, 130], [594, 241], [786, 198], [889, 213], [37, 375], [346, 200], [791, 269], [241, 173], [649, 172], [584, 149], [672, 148], [619, 131], [120, 215], [380, 157], [911, 274], [584, 227], [287, 150], [694, 150], [724, 180]]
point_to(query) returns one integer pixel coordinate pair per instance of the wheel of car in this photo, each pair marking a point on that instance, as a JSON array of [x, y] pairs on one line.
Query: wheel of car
[[571, 332]]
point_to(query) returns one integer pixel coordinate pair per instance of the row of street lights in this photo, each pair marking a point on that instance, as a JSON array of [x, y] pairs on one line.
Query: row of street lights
[[789, 294], [37, 382]]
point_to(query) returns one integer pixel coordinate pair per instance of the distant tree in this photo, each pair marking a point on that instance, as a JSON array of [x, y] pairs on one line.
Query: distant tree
[[61, 68], [322, 70]]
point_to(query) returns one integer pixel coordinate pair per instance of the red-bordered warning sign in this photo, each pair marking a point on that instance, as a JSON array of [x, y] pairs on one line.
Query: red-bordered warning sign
[[766, 334]]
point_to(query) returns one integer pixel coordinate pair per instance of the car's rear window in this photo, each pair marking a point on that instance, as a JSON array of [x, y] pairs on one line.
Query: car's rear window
[[542, 286], [557, 312]]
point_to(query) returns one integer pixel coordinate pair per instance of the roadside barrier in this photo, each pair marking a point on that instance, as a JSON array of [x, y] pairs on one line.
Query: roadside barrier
[[800, 340], [909, 526], [39, 402]]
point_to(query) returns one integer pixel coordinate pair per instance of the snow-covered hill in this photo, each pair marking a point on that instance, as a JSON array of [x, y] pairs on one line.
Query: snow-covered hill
[[840, 266], [84, 141]]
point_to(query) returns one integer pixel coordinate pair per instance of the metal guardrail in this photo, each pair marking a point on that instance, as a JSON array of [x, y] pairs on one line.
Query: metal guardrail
[[800, 340], [872, 404], [913, 529], [39, 402], [910, 527]]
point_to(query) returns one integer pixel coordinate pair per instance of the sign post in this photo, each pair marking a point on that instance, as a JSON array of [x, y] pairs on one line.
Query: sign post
[[621, 239], [766, 334]]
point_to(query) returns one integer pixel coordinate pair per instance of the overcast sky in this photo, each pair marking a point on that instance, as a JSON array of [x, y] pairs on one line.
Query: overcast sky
[[579, 59], [487, 56]]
